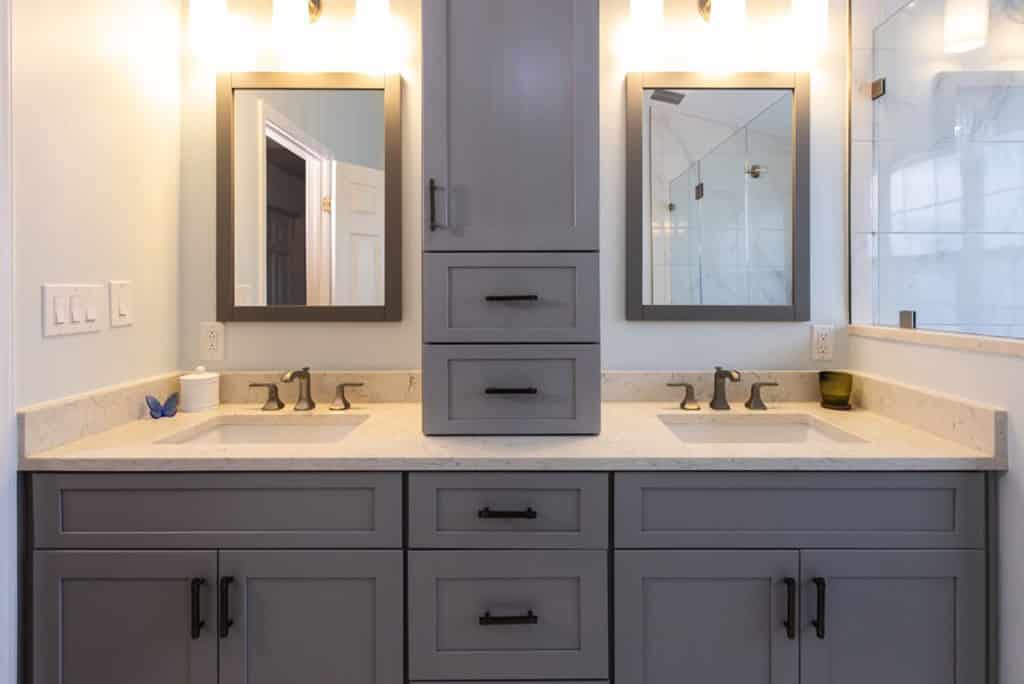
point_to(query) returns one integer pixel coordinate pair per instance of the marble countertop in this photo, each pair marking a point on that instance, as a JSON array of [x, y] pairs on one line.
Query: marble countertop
[[635, 436]]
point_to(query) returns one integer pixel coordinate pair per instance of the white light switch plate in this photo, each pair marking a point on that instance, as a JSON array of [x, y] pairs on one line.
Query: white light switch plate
[[59, 301], [122, 303], [211, 341], [822, 342]]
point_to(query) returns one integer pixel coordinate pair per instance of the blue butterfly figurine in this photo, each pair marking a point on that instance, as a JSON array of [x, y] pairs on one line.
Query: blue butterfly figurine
[[165, 410]]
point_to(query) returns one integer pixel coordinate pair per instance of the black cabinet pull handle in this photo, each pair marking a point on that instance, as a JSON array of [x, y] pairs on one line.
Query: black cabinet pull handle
[[819, 621], [510, 390], [197, 623], [790, 621], [223, 621], [432, 188], [528, 619], [525, 514], [512, 298]]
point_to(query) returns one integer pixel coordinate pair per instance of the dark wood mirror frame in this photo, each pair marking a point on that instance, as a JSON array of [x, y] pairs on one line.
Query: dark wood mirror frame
[[227, 84], [799, 84]]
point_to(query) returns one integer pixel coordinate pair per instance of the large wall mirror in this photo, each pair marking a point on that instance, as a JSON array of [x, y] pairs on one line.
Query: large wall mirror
[[309, 197], [717, 197]]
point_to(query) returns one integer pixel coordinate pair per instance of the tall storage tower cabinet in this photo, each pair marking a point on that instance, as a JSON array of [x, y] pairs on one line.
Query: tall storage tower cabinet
[[511, 325]]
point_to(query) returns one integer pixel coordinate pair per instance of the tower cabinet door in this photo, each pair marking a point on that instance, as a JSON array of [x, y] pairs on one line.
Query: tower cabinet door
[[124, 617], [311, 616], [510, 125], [893, 617], [706, 616]]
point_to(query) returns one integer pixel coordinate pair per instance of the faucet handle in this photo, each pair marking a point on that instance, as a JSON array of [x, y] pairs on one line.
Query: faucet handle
[[341, 402], [689, 402], [273, 402], [755, 402]]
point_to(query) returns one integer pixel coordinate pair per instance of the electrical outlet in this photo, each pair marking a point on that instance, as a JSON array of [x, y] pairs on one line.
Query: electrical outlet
[[822, 342], [211, 341]]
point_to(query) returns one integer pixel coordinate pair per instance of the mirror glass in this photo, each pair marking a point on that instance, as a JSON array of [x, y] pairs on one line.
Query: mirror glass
[[718, 200], [309, 197]]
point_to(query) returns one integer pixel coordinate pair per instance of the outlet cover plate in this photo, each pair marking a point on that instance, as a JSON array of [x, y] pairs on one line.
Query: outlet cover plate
[[211, 341], [822, 342]]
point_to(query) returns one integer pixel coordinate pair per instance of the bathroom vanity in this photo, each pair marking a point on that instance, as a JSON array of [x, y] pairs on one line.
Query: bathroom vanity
[[216, 547]]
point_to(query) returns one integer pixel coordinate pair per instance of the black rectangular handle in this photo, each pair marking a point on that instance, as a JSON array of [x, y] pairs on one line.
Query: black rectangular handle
[[790, 621], [197, 623], [525, 514], [223, 621], [510, 390], [529, 619], [819, 621], [432, 188], [512, 298]]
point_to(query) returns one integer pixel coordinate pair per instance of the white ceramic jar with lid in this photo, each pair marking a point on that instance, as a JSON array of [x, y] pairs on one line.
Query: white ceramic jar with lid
[[200, 390]]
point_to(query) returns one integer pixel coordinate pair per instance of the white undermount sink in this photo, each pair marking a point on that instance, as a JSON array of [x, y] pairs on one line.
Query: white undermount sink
[[269, 429], [706, 428]]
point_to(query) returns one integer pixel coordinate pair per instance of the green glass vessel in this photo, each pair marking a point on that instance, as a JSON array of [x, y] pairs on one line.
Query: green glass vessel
[[836, 388]]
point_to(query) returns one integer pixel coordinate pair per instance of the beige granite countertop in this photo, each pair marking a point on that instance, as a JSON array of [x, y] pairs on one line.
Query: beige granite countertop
[[634, 437]]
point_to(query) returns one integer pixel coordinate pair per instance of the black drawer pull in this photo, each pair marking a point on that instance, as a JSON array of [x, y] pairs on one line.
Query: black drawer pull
[[197, 623], [528, 619], [819, 621], [512, 298], [510, 390], [525, 514], [223, 621], [790, 621], [432, 189]]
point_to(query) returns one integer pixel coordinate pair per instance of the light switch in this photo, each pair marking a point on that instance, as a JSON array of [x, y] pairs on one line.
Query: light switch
[[122, 306], [60, 310], [72, 309]]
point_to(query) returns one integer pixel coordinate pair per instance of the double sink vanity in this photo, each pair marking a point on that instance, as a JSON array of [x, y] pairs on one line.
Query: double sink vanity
[[790, 544]]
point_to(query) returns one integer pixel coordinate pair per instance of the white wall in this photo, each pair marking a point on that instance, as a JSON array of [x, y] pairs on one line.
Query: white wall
[[8, 458], [96, 120], [991, 379], [284, 345], [668, 345]]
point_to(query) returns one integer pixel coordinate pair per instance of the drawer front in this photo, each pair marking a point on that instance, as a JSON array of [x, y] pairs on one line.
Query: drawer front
[[508, 615], [508, 510], [809, 510], [512, 297], [512, 389], [247, 510]]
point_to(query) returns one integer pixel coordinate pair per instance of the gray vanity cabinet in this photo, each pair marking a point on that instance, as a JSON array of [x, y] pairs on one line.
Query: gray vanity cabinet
[[123, 617], [894, 617], [510, 122], [312, 616], [705, 616]]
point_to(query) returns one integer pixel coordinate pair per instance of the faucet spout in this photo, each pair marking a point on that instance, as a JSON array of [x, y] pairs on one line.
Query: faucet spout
[[305, 401], [719, 401]]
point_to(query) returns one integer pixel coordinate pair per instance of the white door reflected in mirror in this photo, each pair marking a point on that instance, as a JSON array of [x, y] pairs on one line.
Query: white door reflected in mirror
[[309, 197]]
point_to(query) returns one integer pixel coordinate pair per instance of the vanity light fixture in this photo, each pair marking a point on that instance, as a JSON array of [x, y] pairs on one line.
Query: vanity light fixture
[[206, 23], [724, 14], [811, 22], [647, 13], [965, 26], [289, 21], [373, 12]]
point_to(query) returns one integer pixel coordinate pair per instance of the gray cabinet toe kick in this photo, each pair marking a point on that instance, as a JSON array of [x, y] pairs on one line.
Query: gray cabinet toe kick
[[545, 577]]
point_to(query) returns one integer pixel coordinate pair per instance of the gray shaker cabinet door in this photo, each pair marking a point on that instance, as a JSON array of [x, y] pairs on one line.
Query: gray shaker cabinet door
[[312, 617], [510, 125], [894, 617], [123, 617], [705, 617]]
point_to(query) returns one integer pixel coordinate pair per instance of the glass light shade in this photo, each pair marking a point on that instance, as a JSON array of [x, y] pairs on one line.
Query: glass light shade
[[966, 25], [647, 12], [373, 11], [728, 14], [206, 24], [288, 23], [811, 22]]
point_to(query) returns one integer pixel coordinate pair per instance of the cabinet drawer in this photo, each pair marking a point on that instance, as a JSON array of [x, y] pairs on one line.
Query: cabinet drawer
[[513, 297], [508, 510], [248, 510], [508, 615], [809, 510], [512, 389]]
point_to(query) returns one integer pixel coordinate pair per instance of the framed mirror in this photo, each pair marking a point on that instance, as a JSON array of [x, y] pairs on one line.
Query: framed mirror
[[309, 200], [717, 205]]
